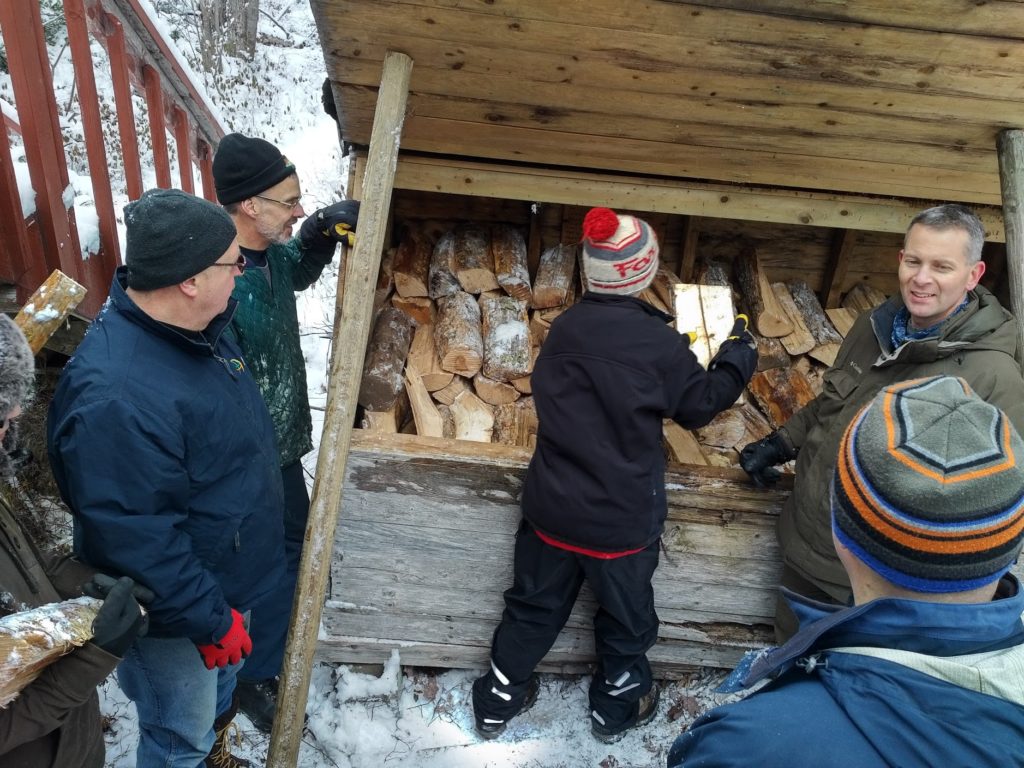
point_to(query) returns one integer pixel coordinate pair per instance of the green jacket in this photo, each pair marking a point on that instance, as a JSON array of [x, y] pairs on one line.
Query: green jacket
[[979, 345], [267, 328]]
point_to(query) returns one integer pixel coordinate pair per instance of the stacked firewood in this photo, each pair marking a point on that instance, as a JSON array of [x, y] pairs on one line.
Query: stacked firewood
[[459, 325]]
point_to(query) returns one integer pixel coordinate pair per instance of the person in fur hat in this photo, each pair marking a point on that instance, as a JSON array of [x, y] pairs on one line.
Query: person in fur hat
[[610, 370], [55, 720]]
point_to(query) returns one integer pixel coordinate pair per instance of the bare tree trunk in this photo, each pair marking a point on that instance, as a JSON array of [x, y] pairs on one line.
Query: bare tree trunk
[[227, 27]]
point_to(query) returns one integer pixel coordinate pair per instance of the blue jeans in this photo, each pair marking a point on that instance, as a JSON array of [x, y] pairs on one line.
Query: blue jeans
[[270, 617], [177, 699]]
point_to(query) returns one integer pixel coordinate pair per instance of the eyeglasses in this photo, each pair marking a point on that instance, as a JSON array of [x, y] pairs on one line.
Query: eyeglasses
[[238, 263], [291, 205]]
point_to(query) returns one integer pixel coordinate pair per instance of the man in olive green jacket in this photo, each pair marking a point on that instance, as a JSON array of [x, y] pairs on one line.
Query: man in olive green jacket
[[942, 322], [259, 188]]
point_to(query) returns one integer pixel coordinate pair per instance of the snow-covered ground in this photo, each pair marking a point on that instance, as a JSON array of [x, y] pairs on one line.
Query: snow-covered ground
[[404, 716]]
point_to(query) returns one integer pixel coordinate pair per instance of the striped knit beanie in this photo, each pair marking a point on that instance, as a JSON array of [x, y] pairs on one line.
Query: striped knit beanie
[[620, 253], [927, 491]]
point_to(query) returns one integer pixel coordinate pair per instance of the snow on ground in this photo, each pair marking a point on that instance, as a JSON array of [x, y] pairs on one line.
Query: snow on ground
[[404, 716]]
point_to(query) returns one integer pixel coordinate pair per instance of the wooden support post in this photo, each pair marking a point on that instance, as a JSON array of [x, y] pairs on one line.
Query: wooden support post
[[92, 124], [1010, 145], [184, 147], [121, 82], [345, 375], [157, 126], [688, 252], [838, 264]]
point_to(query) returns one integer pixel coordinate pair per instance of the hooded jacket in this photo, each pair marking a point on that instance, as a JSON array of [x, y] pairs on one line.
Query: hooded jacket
[[162, 448], [55, 720], [979, 345], [894, 682], [266, 325], [610, 370]]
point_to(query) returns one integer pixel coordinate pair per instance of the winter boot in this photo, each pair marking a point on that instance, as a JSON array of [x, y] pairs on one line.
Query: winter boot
[[225, 731], [492, 727], [647, 708], [257, 699]]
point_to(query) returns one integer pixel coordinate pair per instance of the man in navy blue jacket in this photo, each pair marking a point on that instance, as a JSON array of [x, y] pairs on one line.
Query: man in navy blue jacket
[[927, 667], [610, 371], [164, 451]]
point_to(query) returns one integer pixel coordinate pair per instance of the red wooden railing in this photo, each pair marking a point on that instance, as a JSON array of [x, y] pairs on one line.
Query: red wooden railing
[[140, 59]]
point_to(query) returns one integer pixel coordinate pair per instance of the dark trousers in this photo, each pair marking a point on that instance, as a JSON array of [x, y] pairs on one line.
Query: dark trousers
[[544, 589], [269, 625]]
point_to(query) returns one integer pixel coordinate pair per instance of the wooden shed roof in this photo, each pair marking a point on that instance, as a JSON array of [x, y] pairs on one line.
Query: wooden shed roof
[[856, 96]]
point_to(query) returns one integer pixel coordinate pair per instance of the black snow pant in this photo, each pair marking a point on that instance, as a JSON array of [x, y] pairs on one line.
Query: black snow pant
[[544, 589]]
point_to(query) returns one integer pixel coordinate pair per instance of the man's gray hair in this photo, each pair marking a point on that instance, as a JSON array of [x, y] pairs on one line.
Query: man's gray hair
[[953, 216]]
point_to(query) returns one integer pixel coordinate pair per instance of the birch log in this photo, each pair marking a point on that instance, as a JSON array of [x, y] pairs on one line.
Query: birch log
[[472, 261], [508, 248], [385, 359], [554, 276], [506, 337], [441, 280], [457, 336], [32, 640]]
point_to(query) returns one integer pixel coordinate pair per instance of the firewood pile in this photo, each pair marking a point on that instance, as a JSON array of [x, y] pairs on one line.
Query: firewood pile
[[459, 324]]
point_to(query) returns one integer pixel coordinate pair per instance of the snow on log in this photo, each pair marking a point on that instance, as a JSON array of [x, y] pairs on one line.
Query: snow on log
[[472, 262], [457, 336], [554, 276], [441, 280], [506, 337], [385, 359], [508, 248]]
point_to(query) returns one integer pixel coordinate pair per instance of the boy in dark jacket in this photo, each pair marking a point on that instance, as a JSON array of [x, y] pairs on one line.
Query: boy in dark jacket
[[610, 370]]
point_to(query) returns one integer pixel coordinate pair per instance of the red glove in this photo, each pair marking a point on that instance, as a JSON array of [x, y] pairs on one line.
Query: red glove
[[230, 649]]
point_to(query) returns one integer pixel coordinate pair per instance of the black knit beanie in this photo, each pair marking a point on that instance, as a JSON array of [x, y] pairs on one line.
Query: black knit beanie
[[171, 236], [243, 167]]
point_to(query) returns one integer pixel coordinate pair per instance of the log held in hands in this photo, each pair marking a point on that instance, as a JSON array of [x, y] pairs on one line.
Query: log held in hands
[[346, 369]]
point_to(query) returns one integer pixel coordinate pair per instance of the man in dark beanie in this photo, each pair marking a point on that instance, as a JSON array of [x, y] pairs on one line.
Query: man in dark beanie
[[164, 451], [259, 188], [55, 720], [927, 667]]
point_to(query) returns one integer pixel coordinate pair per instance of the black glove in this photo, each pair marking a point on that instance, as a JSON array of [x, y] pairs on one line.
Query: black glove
[[741, 332], [334, 224], [738, 335], [100, 584], [120, 620], [759, 459]]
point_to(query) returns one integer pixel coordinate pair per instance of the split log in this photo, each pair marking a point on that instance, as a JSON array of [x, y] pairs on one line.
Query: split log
[[424, 412], [382, 422], [506, 339], [651, 297], [554, 276], [494, 392], [664, 286], [799, 340], [721, 457], [32, 640], [706, 310], [47, 308], [842, 318], [516, 423], [385, 359], [441, 280], [814, 374], [525, 384], [538, 327], [863, 297], [423, 357], [472, 262], [680, 445], [713, 272], [780, 392], [411, 267], [508, 248], [770, 352], [734, 428], [474, 419], [447, 394], [457, 336], [765, 313], [447, 420], [826, 340], [419, 308]]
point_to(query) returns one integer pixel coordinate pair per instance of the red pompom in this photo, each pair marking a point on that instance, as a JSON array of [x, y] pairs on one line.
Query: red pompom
[[600, 224]]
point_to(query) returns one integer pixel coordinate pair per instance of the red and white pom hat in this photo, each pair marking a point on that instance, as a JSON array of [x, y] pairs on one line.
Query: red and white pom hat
[[620, 253]]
